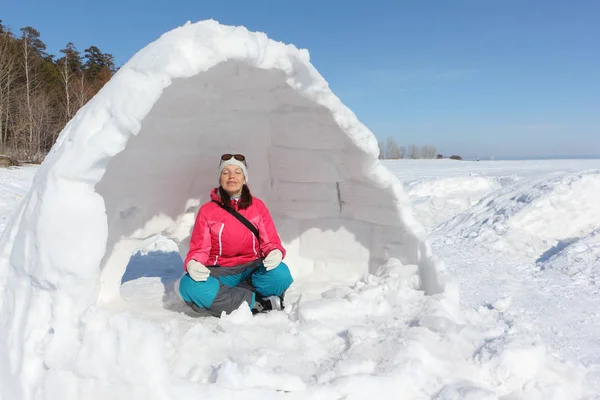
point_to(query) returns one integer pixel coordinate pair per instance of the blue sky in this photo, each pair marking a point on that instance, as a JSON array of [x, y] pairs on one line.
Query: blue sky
[[478, 78]]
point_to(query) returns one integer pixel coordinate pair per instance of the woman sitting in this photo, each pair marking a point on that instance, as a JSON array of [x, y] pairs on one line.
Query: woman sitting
[[232, 261]]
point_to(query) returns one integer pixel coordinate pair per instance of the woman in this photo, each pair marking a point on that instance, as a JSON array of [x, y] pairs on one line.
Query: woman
[[232, 260]]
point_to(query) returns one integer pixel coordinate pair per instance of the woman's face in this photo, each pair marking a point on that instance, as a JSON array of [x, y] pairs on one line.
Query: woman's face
[[232, 180]]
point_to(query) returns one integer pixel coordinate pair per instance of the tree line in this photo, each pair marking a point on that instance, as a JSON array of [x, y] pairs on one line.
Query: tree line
[[41, 92], [389, 149]]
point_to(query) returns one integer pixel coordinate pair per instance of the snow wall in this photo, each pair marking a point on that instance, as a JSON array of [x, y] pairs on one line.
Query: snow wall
[[141, 156]]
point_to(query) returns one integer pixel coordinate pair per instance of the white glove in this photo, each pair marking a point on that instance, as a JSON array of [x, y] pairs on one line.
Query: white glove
[[272, 259], [197, 271]]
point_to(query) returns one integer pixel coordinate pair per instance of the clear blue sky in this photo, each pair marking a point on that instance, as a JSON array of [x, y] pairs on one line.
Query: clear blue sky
[[476, 78]]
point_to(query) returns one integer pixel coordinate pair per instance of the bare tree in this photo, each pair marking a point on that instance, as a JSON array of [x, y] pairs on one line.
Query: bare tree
[[432, 151], [65, 77], [68, 67], [402, 151], [381, 149], [428, 151], [7, 79], [392, 149], [45, 124], [413, 152], [28, 66], [81, 91], [32, 54]]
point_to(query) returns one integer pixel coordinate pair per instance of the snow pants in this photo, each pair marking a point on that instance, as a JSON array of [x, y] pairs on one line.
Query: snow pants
[[228, 287]]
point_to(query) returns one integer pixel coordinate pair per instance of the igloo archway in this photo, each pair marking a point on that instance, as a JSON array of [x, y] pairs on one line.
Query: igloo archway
[[141, 155]]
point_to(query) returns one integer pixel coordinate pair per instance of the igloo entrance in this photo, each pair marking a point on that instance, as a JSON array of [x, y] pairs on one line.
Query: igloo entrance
[[317, 182]]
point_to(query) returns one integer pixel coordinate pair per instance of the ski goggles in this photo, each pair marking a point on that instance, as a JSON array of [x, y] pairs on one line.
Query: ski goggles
[[239, 157]]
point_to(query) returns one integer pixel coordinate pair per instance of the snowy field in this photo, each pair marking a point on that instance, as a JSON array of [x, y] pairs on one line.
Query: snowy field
[[520, 319], [520, 237]]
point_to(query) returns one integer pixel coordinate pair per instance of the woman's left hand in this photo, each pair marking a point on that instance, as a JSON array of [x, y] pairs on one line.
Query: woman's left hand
[[273, 259]]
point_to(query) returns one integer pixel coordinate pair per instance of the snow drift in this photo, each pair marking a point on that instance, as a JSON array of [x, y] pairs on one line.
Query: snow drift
[[140, 157], [534, 216], [437, 200]]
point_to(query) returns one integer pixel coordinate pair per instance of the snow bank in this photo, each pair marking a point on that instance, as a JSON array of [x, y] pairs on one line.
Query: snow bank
[[138, 159], [533, 215], [437, 200]]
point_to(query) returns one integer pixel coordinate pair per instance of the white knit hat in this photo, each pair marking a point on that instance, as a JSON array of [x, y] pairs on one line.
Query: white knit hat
[[233, 161]]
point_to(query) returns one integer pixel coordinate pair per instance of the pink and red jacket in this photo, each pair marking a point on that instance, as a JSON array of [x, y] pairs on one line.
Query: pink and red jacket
[[218, 238]]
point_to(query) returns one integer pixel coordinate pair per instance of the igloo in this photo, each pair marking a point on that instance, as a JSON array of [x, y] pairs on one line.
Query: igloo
[[140, 157]]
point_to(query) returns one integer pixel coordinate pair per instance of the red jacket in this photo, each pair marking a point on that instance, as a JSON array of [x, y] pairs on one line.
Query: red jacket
[[218, 238]]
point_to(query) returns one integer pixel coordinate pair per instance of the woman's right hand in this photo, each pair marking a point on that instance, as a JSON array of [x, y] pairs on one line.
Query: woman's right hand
[[197, 271]]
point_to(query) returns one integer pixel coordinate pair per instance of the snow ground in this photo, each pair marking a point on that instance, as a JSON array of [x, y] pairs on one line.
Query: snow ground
[[14, 184], [521, 237], [520, 323]]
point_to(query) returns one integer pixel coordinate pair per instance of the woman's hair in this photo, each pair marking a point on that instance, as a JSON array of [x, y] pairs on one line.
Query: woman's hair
[[245, 198]]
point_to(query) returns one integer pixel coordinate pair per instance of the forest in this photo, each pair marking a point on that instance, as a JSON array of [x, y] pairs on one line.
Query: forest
[[41, 92]]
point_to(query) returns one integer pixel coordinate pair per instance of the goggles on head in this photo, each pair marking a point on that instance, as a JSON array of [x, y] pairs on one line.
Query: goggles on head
[[239, 157]]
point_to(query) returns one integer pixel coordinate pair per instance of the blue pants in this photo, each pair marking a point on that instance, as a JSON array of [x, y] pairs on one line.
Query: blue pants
[[226, 293]]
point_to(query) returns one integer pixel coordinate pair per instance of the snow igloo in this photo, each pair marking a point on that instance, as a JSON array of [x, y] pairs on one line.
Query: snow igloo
[[142, 155]]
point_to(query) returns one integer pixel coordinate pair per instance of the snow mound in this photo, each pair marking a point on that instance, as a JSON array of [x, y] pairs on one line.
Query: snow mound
[[578, 258], [437, 200], [533, 215]]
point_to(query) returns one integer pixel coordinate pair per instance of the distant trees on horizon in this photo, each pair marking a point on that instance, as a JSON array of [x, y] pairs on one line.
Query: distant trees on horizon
[[389, 149], [41, 92]]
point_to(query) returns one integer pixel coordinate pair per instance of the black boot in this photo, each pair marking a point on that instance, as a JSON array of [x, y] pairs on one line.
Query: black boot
[[266, 304], [281, 298]]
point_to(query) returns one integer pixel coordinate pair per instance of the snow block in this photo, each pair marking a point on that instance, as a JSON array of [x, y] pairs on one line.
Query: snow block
[[140, 157]]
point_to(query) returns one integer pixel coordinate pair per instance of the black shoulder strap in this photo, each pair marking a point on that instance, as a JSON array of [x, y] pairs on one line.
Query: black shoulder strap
[[239, 216]]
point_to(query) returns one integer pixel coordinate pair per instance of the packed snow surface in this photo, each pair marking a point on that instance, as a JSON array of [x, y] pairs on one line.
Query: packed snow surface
[[507, 329]]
